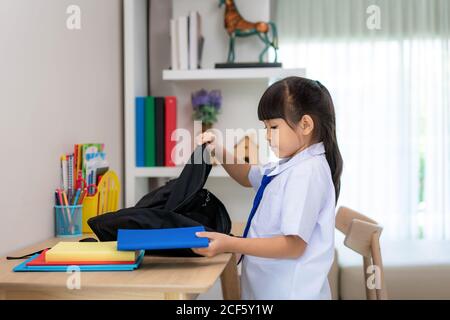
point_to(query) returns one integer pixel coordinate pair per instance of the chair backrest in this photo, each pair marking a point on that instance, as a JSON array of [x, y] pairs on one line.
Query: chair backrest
[[362, 235]]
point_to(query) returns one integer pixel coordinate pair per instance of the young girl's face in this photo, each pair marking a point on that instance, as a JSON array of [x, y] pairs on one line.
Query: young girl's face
[[286, 141]]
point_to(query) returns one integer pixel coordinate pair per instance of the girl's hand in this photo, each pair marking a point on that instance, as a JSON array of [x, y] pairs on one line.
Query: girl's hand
[[209, 138], [219, 244]]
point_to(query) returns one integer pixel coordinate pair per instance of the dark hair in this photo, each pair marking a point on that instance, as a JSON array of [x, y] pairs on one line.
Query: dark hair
[[292, 98]]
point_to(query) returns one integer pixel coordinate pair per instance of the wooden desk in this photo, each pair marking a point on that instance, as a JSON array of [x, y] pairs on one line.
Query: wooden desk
[[156, 278]]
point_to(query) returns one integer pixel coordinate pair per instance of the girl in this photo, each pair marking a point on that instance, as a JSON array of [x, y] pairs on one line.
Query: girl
[[288, 243]]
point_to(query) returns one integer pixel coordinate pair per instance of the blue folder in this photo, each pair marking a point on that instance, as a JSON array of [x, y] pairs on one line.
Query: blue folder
[[105, 267], [154, 239], [140, 126]]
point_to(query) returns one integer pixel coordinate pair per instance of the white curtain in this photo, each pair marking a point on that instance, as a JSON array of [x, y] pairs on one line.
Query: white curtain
[[390, 84]]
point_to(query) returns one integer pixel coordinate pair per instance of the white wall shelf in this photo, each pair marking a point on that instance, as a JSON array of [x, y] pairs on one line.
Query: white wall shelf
[[231, 74], [173, 172]]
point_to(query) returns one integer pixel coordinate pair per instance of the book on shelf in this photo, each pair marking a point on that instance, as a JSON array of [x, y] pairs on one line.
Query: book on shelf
[[183, 44], [174, 44], [159, 131], [150, 135], [186, 41], [140, 133], [169, 130], [195, 40], [156, 122]]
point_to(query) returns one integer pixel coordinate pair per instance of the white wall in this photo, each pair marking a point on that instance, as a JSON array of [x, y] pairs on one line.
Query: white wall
[[57, 87]]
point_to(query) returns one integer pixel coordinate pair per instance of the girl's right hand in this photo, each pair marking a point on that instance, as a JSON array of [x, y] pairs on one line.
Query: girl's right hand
[[209, 138]]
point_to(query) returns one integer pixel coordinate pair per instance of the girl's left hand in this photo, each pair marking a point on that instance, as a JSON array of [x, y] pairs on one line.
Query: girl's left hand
[[219, 243]]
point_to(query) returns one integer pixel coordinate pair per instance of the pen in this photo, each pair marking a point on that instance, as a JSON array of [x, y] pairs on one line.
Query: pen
[[64, 172], [61, 203], [56, 198], [83, 194], [60, 200], [66, 204], [77, 195]]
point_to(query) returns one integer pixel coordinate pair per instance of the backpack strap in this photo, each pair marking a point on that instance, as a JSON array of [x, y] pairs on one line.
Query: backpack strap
[[27, 255], [40, 251]]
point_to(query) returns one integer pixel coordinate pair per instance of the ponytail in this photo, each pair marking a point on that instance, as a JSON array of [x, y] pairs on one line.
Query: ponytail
[[329, 139], [334, 159]]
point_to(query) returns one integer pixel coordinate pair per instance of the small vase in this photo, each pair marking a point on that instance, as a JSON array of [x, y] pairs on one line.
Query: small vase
[[206, 126]]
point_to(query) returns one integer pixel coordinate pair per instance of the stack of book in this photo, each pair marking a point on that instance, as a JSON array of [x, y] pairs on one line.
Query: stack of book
[[156, 119], [87, 256], [186, 42]]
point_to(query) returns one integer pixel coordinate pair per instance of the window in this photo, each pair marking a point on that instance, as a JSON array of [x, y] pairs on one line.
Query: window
[[391, 94]]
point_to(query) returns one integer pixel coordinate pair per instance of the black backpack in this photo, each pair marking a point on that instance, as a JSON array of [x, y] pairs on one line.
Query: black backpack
[[181, 202]]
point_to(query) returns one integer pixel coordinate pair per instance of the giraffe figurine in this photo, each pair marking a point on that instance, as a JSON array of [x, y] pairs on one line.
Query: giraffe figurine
[[237, 26]]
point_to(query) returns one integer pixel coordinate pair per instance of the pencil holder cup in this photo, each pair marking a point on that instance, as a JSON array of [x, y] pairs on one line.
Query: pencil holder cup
[[68, 221]]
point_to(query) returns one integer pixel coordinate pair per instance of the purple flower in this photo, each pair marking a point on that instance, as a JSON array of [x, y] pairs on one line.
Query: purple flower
[[215, 98], [204, 98], [199, 98]]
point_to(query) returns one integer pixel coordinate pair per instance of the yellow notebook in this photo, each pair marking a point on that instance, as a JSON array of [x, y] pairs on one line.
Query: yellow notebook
[[88, 251]]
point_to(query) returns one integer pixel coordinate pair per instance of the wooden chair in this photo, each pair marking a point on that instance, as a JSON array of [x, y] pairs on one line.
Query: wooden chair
[[362, 235]]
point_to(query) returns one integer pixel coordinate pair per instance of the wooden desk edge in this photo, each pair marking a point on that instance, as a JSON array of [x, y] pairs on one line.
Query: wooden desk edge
[[10, 290]]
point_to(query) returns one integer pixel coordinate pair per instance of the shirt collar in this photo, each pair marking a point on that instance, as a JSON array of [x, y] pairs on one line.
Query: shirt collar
[[278, 167]]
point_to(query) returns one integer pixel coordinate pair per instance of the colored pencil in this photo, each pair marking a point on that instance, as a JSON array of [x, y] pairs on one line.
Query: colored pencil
[[77, 195], [61, 203], [66, 204], [70, 177], [83, 195], [64, 172]]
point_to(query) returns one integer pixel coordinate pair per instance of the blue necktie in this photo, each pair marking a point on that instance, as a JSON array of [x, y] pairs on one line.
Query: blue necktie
[[259, 194]]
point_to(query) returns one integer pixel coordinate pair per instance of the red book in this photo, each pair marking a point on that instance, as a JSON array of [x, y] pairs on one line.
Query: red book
[[170, 127], [40, 261]]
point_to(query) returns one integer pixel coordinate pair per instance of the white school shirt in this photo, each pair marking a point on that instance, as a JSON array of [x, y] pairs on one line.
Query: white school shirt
[[300, 200]]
